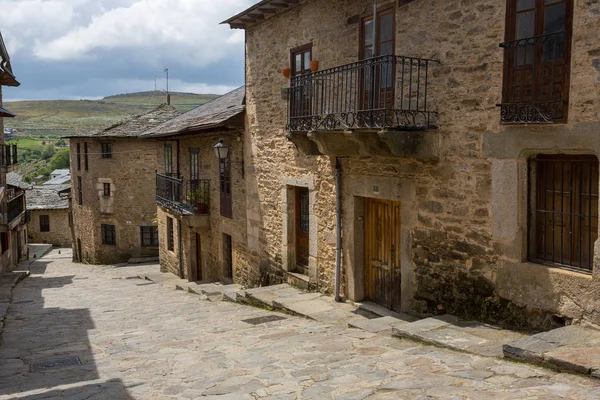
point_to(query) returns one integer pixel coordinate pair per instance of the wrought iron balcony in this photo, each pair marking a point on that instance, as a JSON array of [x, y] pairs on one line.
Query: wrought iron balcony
[[8, 155], [15, 207], [535, 86], [183, 197], [386, 92]]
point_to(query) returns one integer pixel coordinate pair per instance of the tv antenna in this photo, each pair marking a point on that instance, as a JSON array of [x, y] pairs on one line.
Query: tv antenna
[[166, 71]]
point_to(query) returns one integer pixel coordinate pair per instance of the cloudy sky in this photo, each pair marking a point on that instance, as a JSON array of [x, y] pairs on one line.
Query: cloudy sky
[[74, 49]]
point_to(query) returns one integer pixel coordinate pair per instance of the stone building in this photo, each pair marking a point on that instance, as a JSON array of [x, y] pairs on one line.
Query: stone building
[[201, 198], [113, 187], [464, 136], [48, 207], [13, 228]]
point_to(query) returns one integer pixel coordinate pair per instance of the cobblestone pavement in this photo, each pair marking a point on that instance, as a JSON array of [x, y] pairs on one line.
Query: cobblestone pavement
[[138, 340]]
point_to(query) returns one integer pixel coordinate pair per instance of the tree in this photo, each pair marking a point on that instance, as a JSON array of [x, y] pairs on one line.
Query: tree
[[60, 160], [48, 152]]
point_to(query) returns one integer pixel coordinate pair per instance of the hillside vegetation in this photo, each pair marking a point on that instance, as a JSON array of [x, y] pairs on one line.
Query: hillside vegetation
[[54, 118], [39, 124]]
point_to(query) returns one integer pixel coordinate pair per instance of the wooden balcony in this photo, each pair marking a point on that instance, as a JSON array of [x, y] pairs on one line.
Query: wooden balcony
[[377, 106], [8, 155]]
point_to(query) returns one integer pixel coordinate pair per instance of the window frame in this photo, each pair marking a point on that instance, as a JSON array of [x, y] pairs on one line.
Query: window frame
[[301, 50], [78, 156], [170, 234], [168, 156], [106, 150], [44, 225], [539, 9], [149, 236], [106, 189], [108, 234], [572, 209], [85, 156]]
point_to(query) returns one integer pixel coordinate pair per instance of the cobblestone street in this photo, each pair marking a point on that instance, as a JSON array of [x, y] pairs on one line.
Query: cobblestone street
[[139, 340]]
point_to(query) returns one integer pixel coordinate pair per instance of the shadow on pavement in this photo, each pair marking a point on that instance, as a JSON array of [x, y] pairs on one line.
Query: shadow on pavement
[[42, 339], [112, 389]]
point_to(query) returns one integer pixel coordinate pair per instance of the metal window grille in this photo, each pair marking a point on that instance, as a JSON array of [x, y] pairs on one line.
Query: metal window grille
[[149, 236], [107, 190], [109, 236], [563, 218]]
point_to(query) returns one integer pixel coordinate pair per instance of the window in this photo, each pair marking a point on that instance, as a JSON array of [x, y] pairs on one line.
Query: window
[[563, 218], [170, 235], [85, 152], [78, 157], [3, 242], [225, 186], [300, 102], [79, 191], [194, 165], [106, 150], [149, 236], [106, 189], [537, 55], [168, 159], [301, 57], [44, 223], [109, 236]]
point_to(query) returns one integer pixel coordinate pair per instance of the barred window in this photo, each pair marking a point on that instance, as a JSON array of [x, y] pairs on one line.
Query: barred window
[[107, 190], [149, 236], [109, 236], [563, 223], [44, 223]]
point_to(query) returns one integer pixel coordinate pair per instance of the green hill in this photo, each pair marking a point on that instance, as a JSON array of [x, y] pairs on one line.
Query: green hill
[[53, 118]]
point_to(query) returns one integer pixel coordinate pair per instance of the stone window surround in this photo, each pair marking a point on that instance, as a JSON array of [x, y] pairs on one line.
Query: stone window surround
[[288, 250], [354, 189]]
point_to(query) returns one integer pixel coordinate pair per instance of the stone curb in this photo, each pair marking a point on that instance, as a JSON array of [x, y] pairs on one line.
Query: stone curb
[[8, 280]]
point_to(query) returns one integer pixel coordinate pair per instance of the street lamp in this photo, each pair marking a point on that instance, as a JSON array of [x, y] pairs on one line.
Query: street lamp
[[221, 150]]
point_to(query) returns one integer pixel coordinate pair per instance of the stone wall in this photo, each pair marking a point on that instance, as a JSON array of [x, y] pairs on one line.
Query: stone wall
[[449, 205], [60, 232], [131, 204], [211, 237]]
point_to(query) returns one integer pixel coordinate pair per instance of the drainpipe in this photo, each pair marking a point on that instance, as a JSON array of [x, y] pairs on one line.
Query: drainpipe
[[180, 247], [338, 225]]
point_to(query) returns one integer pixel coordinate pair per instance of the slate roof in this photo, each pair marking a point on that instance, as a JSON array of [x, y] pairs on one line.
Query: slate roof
[[135, 125], [59, 180], [214, 114], [46, 197], [6, 75], [15, 179], [258, 12], [5, 113], [60, 172]]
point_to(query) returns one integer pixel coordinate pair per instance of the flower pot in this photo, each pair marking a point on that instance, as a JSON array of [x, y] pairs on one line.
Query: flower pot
[[314, 65], [286, 72], [202, 208]]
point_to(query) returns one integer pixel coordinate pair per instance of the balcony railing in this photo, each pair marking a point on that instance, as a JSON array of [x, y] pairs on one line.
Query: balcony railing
[[15, 207], [8, 155], [183, 197], [386, 92], [535, 87]]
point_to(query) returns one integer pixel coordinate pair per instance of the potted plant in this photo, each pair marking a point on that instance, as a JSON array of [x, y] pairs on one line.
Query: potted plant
[[314, 65], [200, 197], [286, 73]]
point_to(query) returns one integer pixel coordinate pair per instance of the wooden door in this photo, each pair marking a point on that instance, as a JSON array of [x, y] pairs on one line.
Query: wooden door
[[225, 186], [538, 52], [382, 252], [302, 227], [378, 77], [302, 94]]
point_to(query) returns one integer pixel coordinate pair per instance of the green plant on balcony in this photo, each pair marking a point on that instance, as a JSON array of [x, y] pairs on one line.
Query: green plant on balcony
[[200, 198]]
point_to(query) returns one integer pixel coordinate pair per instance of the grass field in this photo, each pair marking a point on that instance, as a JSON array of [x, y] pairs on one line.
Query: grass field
[[55, 118]]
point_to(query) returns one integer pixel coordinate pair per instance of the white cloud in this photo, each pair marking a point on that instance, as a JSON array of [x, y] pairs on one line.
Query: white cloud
[[187, 30]]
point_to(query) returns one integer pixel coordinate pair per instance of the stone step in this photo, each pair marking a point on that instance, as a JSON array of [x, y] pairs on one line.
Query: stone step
[[449, 332], [142, 260], [570, 348]]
